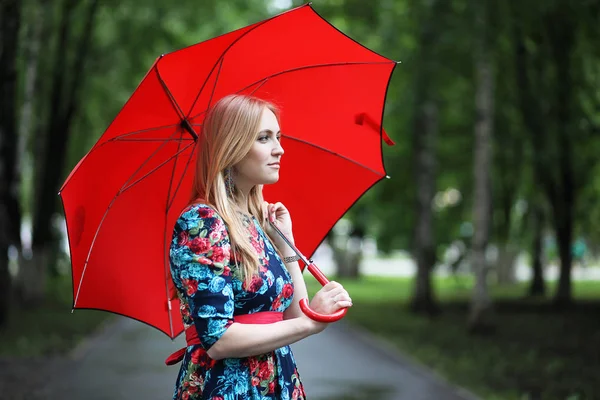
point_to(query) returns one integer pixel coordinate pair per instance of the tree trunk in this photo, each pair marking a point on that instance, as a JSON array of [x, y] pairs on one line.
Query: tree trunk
[[484, 104], [347, 254], [63, 100], [425, 137], [425, 130], [538, 285], [560, 28], [507, 255], [10, 18], [29, 271]]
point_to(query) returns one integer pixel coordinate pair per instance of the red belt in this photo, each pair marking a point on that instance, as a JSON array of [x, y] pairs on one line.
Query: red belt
[[191, 335]]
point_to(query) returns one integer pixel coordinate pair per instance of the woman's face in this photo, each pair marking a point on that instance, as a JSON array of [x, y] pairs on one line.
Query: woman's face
[[261, 165]]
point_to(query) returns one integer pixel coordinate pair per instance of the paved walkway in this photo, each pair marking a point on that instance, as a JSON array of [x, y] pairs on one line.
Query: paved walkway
[[125, 361]]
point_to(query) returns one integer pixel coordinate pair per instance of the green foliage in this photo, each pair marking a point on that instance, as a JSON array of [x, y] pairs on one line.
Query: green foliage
[[535, 352]]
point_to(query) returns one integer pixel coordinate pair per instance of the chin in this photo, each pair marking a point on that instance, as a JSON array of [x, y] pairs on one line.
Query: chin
[[271, 180]]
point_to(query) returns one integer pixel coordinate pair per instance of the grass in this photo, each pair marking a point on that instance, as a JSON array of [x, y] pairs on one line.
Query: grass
[[535, 352], [51, 328]]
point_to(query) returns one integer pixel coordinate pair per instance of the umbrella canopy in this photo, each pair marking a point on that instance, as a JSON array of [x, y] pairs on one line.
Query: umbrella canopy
[[122, 199]]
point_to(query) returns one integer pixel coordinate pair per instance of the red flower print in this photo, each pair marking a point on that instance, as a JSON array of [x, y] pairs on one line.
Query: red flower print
[[253, 364], [277, 303], [287, 290], [255, 284], [264, 371], [183, 238], [295, 394], [190, 285], [220, 254], [226, 271], [214, 236], [185, 396], [200, 245], [217, 398], [272, 387], [205, 212], [255, 380], [257, 246], [185, 311], [205, 261]]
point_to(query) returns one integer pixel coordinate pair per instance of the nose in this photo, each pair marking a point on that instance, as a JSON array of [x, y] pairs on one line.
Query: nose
[[278, 149]]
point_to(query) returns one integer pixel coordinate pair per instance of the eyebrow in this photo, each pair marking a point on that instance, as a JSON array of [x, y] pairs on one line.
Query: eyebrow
[[268, 131]]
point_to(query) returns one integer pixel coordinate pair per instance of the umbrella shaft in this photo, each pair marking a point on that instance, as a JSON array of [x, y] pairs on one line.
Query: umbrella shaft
[[287, 241]]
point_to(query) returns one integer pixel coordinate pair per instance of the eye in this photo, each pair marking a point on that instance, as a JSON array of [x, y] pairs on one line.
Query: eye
[[279, 138], [263, 139]]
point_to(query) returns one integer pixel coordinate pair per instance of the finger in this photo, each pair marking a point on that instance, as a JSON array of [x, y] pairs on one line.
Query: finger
[[344, 304], [279, 208], [331, 285], [336, 291], [342, 297]]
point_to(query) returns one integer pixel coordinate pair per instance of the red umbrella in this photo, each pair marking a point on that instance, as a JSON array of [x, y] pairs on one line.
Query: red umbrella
[[122, 199]]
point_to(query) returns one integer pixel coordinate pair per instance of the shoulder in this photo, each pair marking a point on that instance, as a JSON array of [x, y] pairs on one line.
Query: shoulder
[[200, 216]]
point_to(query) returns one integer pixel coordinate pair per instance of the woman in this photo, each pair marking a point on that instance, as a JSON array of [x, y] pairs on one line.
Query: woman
[[238, 282]]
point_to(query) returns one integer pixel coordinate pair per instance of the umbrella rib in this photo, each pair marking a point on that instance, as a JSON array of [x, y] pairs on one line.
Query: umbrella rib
[[155, 168], [155, 140], [169, 94], [216, 81], [262, 83], [287, 71], [180, 181], [141, 131], [334, 153], [219, 60], [85, 264], [165, 238]]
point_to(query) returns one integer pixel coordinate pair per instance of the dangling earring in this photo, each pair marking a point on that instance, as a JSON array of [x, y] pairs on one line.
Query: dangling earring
[[229, 185]]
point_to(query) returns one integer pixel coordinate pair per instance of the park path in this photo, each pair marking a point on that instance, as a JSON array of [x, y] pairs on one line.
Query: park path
[[125, 360]]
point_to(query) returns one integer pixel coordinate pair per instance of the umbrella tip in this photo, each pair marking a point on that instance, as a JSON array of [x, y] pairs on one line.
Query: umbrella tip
[[398, 62], [388, 177]]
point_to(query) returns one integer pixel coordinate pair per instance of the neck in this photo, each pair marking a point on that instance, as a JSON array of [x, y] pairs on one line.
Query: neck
[[243, 193], [241, 202]]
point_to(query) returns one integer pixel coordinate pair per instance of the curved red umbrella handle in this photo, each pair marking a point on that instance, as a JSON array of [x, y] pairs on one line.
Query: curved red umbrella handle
[[319, 276]]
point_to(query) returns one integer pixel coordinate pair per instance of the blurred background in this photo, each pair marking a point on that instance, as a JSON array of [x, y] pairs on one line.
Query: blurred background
[[478, 258]]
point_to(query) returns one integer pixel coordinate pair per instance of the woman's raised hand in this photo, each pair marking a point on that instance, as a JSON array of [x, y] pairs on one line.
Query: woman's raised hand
[[278, 214]]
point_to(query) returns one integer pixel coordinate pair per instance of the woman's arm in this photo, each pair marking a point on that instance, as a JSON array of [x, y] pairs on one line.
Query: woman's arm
[[244, 340]]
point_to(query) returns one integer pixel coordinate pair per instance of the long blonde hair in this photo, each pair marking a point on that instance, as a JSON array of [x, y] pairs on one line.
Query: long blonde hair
[[228, 133]]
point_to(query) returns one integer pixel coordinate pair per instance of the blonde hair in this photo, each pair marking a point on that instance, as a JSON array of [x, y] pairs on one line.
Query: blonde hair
[[228, 132]]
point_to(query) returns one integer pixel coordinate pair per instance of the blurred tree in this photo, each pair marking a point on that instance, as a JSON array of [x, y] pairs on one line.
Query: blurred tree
[[424, 136], [37, 23], [10, 20], [67, 76], [547, 62], [484, 114]]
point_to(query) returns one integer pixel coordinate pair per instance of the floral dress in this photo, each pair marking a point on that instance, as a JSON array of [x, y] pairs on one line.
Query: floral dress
[[212, 292]]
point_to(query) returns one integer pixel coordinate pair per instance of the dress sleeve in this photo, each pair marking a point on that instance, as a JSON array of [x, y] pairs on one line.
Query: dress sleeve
[[200, 253]]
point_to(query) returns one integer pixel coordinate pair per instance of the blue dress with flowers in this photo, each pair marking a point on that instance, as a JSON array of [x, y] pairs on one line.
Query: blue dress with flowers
[[211, 292]]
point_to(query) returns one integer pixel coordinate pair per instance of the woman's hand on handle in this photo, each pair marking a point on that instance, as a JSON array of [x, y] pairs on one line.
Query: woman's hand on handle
[[330, 299]]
